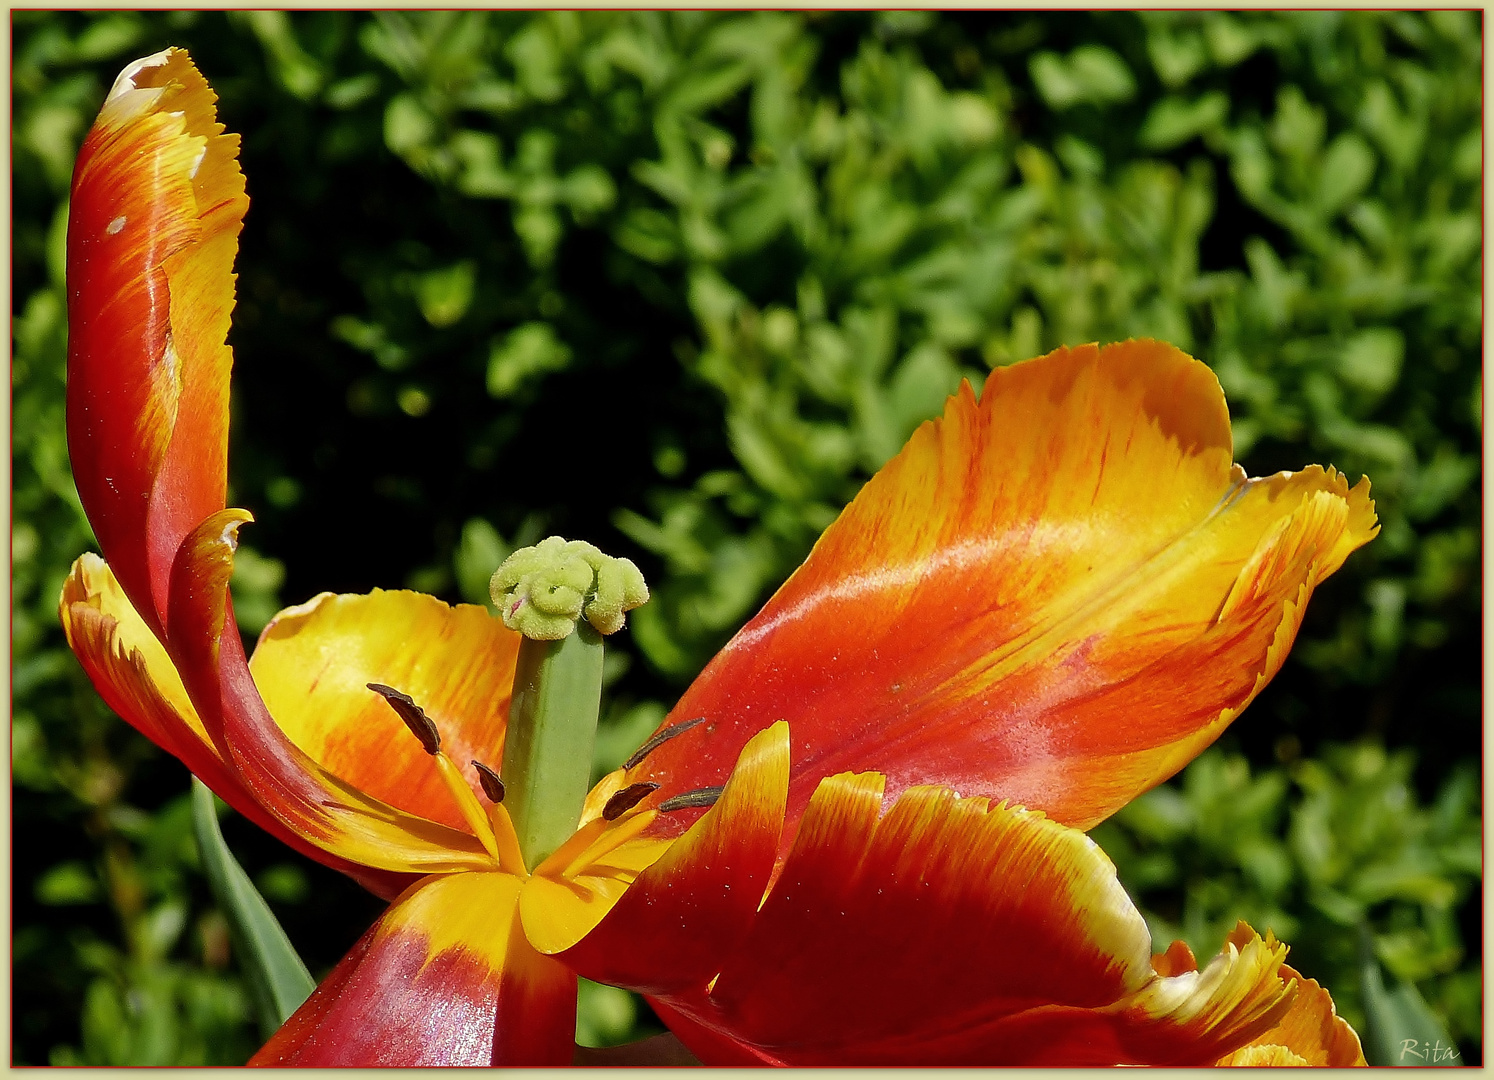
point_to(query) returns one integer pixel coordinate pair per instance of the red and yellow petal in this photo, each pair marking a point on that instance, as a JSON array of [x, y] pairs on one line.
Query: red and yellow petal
[[1057, 595], [655, 915], [446, 977], [1237, 995], [313, 665], [950, 932], [157, 204], [334, 815], [134, 676], [1311, 1032], [129, 665]]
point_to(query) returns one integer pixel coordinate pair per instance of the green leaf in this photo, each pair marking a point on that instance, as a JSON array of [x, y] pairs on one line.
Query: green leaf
[[108, 37], [68, 883], [1175, 57], [1400, 1027], [298, 73], [278, 979], [1230, 40], [528, 351], [478, 554], [409, 127], [445, 295], [1174, 120], [1348, 166], [1091, 73], [1371, 359]]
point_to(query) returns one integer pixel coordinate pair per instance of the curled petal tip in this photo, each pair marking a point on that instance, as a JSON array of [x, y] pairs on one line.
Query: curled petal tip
[[125, 81]]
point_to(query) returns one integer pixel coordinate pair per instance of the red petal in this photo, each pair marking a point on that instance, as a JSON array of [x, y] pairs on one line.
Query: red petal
[[944, 933], [1057, 596], [678, 916], [157, 204], [330, 813], [133, 675], [446, 977]]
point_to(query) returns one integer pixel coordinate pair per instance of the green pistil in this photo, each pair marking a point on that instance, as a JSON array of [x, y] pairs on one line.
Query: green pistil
[[544, 592]]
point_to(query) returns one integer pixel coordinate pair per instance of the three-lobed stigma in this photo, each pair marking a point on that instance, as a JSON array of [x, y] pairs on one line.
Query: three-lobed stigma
[[542, 591]]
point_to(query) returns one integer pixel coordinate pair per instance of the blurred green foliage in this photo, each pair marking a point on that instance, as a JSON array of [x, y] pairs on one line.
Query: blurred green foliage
[[677, 283]]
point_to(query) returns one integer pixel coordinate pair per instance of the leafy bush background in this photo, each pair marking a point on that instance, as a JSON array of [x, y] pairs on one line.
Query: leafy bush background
[[677, 283]]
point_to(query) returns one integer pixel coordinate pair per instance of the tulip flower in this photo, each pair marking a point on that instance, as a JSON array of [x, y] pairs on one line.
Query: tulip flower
[[859, 836]]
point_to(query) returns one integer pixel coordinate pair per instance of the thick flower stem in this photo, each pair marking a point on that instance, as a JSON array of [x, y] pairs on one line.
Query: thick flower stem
[[552, 724]]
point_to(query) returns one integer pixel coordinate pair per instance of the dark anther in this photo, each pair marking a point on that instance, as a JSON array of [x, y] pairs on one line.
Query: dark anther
[[660, 739], [492, 786], [629, 797], [704, 796], [412, 714]]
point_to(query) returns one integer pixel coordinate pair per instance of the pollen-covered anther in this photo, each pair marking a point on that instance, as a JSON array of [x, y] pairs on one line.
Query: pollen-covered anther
[[541, 591], [629, 797], [422, 726], [705, 796], [492, 784]]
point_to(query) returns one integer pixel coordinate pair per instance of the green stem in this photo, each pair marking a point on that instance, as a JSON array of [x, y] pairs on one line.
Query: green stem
[[552, 724]]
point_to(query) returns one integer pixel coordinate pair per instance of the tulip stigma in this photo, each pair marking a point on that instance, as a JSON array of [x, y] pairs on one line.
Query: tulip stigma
[[562, 596], [542, 591]]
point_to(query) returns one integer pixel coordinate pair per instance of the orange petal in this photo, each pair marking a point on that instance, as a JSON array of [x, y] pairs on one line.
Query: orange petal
[[1258, 1056], [444, 978], [1057, 595], [1177, 960], [947, 932], [313, 665], [157, 204], [657, 916], [306, 798], [135, 678], [1312, 1032]]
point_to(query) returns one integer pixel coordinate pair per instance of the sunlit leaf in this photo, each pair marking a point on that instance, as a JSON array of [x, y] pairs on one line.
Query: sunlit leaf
[[278, 979]]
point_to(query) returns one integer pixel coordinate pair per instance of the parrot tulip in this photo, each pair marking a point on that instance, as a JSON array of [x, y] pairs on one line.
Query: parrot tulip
[[858, 839]]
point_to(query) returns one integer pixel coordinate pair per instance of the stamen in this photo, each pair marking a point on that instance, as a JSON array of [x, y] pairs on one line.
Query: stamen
[[612, 839], [660, 739], [467, 802], [420, 725], [705, 796], [510, 856], [492, 785], [490, 832], [629, 797]]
